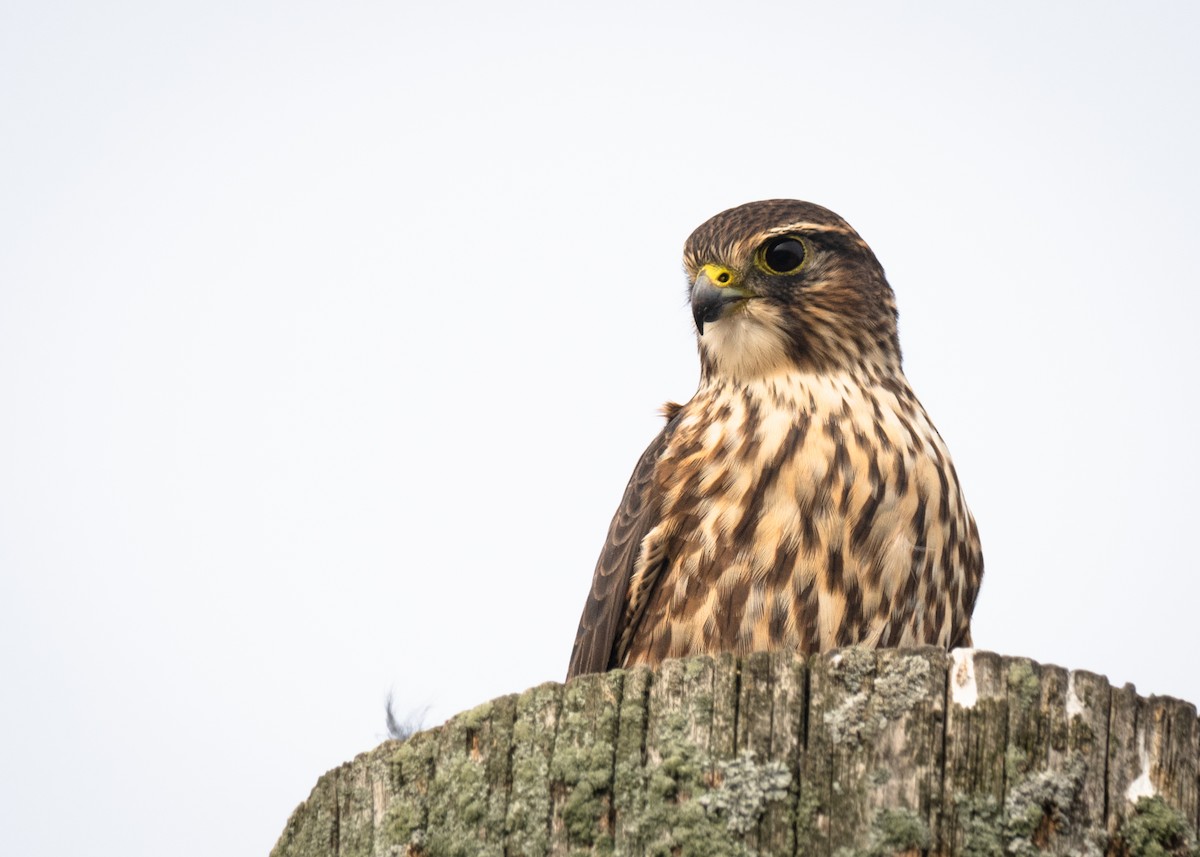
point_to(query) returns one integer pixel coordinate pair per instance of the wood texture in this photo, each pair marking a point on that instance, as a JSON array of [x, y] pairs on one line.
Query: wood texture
[[852, 754]]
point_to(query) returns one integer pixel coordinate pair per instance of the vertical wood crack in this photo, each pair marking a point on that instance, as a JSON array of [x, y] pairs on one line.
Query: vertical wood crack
[[737, 706], [550, 774], [938, 844], [508, 781], [611, 815], [858, 748]]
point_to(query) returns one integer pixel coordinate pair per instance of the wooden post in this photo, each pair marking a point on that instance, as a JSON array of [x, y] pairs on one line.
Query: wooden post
[[856, 753]]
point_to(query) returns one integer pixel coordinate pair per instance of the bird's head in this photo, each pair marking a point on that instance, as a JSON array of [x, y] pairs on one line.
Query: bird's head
[[781, 285]]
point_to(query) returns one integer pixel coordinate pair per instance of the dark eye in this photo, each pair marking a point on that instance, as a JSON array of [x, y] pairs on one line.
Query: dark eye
[[783, 255]]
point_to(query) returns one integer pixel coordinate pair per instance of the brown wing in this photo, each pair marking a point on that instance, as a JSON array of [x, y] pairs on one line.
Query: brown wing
[[599, 626]]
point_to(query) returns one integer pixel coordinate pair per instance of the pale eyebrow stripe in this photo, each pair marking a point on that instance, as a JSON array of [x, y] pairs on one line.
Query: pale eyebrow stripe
[[804, 226], [746, 244]]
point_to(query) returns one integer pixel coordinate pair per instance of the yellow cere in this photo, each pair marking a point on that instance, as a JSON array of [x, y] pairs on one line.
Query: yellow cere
[[718, 275]]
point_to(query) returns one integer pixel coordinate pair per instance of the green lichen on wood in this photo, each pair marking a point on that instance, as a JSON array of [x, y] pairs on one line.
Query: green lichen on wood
[[529, 804], [808, 820], [404, 824], [875, 741], [1031, 731], [893, 831], [1039, 809], [1037, 814], [896, 831], [1155, 829], [875, 693], [847, 722], [840, 755], [976, 731], [312, 826], [633, 712], [410, 771], [902, 683], [583, 765], [770, 723], [744, 788], [1023, 684], [696, 807], [685, 794], [980, 820], [853, 668], [468, 793], [672, 821], [457, 809]]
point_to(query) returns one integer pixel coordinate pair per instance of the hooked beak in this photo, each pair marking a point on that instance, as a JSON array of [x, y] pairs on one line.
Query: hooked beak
[[715, 289]]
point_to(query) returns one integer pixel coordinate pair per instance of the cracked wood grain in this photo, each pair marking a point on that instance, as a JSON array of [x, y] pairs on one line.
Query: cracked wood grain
[[851, 754]]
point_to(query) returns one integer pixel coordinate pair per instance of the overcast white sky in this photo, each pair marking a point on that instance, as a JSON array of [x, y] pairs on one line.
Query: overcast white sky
[[330, 333]]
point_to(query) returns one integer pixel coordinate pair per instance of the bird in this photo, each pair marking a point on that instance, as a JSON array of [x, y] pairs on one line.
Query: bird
[[802, 499]]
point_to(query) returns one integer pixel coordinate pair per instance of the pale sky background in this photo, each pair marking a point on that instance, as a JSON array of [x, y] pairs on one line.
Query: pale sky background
[[330, 333]]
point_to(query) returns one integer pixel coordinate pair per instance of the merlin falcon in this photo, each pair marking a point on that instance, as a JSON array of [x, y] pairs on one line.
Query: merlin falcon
[[802, 500]]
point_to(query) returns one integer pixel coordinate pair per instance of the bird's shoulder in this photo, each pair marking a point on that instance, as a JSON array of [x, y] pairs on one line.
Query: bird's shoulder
[[607, 602]]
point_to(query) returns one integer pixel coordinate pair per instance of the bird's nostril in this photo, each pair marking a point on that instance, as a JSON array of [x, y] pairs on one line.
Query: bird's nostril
[[723, 278]]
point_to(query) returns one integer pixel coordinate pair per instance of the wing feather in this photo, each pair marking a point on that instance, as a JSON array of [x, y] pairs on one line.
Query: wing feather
[[599, 626]]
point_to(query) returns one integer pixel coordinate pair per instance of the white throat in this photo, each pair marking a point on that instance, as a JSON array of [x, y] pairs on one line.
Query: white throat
[[746, 345]]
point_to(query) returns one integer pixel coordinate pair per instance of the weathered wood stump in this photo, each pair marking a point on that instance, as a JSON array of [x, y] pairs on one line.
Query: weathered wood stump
[[853, 754]]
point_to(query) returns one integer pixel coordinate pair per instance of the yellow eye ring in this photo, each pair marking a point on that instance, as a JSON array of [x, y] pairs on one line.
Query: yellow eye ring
[[784, 254]]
